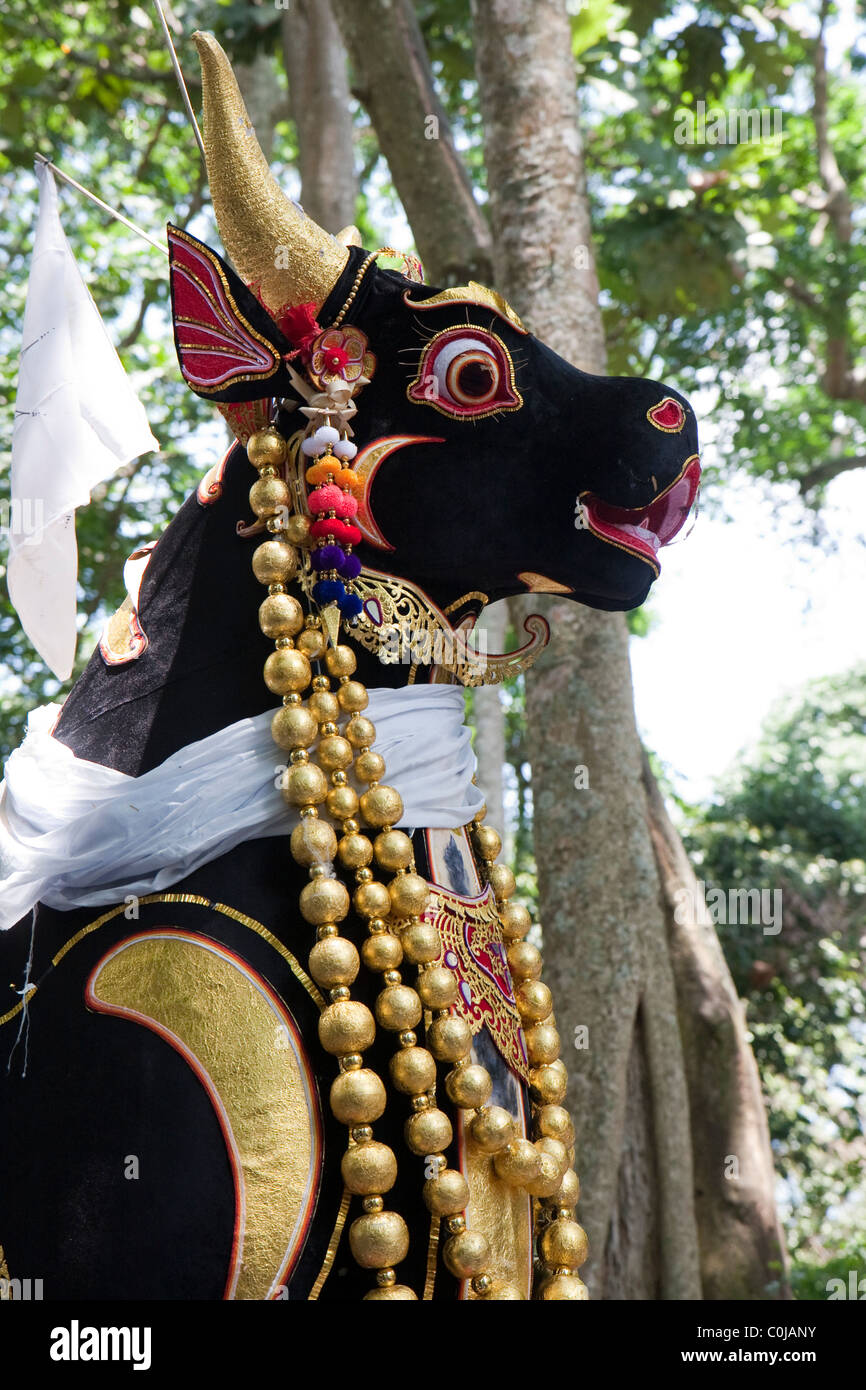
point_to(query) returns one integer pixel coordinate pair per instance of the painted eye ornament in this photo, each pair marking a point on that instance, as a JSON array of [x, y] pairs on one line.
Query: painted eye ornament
[[466, 372]]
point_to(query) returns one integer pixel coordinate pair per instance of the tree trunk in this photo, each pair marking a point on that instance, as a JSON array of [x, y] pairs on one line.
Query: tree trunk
[[393, 79], [315, 62], [654, 1232]]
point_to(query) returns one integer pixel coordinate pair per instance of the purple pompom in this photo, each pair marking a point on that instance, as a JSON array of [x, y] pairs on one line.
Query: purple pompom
[[350, 567]]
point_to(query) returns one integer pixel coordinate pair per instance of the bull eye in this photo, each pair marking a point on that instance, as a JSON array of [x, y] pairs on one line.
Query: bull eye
[[466, 372]]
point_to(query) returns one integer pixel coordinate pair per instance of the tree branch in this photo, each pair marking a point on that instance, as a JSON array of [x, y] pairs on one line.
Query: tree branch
[[830, 469]]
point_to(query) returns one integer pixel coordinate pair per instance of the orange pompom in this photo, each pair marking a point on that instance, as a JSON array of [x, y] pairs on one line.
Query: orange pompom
[[347, 477], [322, 472]]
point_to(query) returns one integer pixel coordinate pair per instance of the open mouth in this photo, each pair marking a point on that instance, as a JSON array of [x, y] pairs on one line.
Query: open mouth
[[644, 530]]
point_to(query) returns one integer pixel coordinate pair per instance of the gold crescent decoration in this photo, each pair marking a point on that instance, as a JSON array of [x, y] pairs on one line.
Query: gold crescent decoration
[[239, 1038], [473, 293]]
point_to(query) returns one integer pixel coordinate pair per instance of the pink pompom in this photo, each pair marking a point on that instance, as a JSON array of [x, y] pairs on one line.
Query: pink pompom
[[347, 505], [325, 499]]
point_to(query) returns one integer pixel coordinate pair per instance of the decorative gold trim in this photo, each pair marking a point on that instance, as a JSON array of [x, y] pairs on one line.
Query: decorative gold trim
[[467, 598], [297, 970], [432, 1258], [331, 1252], [473, 293]]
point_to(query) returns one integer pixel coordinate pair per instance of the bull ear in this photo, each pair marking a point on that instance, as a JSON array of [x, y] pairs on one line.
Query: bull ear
[[284, 256]]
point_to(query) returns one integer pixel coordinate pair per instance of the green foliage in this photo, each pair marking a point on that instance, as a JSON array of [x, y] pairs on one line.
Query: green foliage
[[791, 820]]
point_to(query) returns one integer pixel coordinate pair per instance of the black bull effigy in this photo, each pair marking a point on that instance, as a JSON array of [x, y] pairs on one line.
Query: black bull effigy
[[187, 1126]]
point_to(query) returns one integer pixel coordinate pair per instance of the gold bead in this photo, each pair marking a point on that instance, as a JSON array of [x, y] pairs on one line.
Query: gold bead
[[369, 767], [482, 1284], [564, 1288], [351, 1062], [267, 494], [386, 1278], [549, 1178], [341, 802], [548, 1084], [568, 1194], [381, 952], [393, 849], [379, 1239], [275, 561], [409, 893], [375, 1204], [363, 875], [293, 727], [362, 1134], [449, 1039], [492, 1129], [501, 880], [437, 987], [381, 806], [502, 1291], [357, 1097], [534, 1001], [334, 962], [323, 705], [413, 1071], [419, 1103], [372, 900], [421, 942], [355, 851], [518, 1164], [447, 1194], [360, 732], [469, 1086], [326, 930], [514, 921], [266, 447], [312, 643], [346, 1027], [554, 1122], [397, 1292], [334, 752], [313, 842], [336, 995], [324, 900], [351, 827], [408, 1038], [352, 697], [487, 842], [466, 1254], [305, 785], [298, 529], [542, 1043], [456, 1224], [563, 1243], [392, 977], [428, 1132], [524, 961], [287, 670], [280, 615], [369, 1168], [398, 1007], [340, 661]]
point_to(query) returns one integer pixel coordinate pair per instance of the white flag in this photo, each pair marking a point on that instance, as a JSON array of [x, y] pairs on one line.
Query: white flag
[[77, 420]]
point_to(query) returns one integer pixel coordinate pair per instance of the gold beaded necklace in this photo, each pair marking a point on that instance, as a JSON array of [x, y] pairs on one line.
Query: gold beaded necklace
[[333, 819]]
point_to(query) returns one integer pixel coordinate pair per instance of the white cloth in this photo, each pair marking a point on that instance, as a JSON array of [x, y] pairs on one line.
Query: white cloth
[[77, 420], [74, 833]]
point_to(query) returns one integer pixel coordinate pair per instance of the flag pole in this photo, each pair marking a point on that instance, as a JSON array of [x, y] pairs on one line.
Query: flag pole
[[106, 207], [180, 81]]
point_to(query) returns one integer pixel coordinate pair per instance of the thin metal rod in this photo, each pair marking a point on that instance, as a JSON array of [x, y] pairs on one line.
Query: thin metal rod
[[180, 82], [106, 207]]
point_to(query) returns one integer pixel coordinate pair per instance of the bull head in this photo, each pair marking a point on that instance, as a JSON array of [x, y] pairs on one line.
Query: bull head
[[489, 462]]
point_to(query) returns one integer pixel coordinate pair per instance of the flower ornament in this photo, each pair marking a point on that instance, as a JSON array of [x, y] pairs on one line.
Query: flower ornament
[[340, 352]]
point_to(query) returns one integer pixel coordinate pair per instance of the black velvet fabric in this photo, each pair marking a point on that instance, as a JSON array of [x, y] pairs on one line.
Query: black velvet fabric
[[494, 498]]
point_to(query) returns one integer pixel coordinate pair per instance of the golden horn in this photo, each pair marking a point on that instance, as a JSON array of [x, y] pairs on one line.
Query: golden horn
[[283, 255]]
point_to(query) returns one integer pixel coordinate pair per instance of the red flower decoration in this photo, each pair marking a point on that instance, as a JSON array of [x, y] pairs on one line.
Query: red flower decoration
[[339, 352]]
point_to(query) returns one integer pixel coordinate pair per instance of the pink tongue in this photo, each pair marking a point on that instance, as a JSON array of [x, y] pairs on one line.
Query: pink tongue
[[668, 514]]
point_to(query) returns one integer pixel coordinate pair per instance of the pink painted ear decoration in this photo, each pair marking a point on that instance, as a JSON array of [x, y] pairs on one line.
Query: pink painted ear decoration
[[668, 415]]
